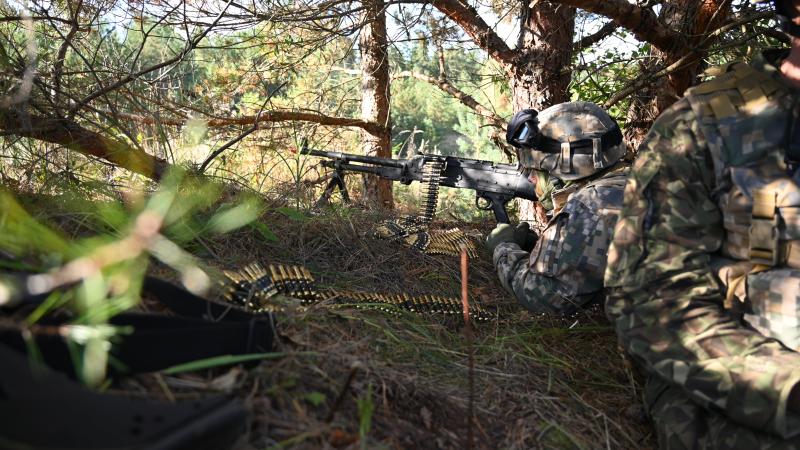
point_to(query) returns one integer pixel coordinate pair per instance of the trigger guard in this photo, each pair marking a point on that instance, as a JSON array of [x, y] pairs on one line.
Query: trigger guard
[[487, 203]]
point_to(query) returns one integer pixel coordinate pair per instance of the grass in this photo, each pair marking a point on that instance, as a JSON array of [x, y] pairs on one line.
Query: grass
[[351, 378]]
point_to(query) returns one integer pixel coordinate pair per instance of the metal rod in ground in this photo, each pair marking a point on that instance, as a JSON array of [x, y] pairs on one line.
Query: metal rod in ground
[[470, 347]]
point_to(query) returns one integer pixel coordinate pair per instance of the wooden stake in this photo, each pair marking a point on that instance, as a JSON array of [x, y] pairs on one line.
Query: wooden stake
[[470, 347]]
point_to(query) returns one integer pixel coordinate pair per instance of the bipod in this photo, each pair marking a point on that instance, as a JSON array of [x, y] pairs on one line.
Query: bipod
[[337, 180]]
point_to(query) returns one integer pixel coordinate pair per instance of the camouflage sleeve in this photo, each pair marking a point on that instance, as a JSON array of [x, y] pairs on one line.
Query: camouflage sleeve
[[553, 278], [663, 299]]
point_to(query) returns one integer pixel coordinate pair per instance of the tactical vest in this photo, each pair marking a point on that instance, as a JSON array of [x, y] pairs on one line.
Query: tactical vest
[[743, 114], [593, 206]]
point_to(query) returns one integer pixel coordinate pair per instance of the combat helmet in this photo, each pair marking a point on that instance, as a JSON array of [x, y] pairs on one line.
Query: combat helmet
[[570, 140]]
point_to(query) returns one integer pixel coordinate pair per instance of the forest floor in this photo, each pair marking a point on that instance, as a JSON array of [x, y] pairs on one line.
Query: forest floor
[[353, 378]]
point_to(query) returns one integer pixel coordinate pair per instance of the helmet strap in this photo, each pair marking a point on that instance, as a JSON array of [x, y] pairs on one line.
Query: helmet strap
[[597, 153], [566, 158]]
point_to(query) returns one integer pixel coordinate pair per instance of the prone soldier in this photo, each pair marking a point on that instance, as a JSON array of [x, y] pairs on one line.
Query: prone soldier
[[575, 151]]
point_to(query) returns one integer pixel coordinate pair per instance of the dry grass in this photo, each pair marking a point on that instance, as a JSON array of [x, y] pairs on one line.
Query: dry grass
[[540, 382]]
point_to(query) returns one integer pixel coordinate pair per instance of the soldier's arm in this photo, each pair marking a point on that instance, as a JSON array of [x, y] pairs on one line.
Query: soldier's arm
[[560, 280], [665, 302]]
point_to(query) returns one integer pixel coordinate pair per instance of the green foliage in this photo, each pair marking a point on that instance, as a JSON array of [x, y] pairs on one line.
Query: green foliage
[[217, 361], [22, 234], [101, 275], [365, 409], [603, 71], [316, 398], [292, 213], [446, 125]]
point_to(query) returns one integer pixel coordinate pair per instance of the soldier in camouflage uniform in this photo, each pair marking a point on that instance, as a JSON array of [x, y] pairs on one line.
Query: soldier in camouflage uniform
[[703, 278], [579, 147]]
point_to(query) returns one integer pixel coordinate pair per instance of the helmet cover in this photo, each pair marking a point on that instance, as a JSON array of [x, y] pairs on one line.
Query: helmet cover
[[574, 141]]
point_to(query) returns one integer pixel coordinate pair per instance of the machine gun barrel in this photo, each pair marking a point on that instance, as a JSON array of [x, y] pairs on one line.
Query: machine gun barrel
[[494, 184], [348, 157]]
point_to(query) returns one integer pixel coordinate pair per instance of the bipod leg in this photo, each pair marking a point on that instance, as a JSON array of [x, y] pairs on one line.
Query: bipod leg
[[336, 181], [342, 187]]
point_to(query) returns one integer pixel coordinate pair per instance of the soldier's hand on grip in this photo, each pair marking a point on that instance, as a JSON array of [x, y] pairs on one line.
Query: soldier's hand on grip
[[503, 232]]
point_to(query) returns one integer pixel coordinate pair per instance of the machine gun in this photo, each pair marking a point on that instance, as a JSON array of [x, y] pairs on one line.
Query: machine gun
[[494, 184]]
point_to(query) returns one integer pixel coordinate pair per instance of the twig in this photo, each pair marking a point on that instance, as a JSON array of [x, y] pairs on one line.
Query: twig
[[227, 145], [340, 398], [689, 58], [133, 76]]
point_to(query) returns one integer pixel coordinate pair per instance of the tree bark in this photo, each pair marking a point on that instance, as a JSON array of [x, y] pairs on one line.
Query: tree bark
[[375, 99], [642, 22], [540, 75], [684, 17], [481, 33]]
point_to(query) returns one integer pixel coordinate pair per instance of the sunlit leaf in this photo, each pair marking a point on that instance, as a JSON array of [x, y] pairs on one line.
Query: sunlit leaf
[[20, 233], [264, 231], [231, 218], [315, 398], [292, 213], [195, 131]]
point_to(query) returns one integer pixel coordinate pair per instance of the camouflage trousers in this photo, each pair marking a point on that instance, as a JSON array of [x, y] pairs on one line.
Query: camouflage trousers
[[681, 424]]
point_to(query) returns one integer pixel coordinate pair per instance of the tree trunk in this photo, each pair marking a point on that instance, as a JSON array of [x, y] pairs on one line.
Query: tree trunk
[[375, 99], [540, 75], [688, 18]]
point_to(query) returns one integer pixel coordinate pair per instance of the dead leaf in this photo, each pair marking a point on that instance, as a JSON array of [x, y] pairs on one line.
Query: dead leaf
[[227, 381], [340, 438], [426, 417]]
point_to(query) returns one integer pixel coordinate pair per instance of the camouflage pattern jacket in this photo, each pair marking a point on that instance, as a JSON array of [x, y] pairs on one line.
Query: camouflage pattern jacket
[[704, 243], [565, 269]]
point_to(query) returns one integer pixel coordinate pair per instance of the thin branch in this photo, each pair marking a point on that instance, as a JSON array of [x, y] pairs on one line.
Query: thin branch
[[685, 60], [481, 33], [133, 76], [75, 137], [58, 67], [587, 41], [35, 19], [465, 99], [642, 22], [247, 132], [261, 119]]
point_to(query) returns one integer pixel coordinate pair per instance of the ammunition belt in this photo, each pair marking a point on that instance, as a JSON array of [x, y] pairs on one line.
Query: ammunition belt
[[431, 177], [414, 230], [257, 289]]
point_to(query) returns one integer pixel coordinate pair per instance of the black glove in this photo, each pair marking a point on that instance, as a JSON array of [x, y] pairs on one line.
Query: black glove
[[525, 237], [503, 232]]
